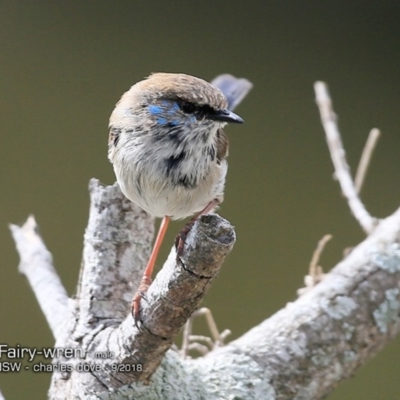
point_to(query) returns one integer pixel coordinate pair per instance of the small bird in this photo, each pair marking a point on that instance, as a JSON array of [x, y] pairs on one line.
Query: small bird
[[169, 150]]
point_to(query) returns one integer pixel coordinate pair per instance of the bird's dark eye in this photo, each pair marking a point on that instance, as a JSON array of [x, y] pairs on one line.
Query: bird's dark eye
[[188, 108]]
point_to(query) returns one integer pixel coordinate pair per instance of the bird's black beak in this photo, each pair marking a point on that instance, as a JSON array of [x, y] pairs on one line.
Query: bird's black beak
[[225, 116]]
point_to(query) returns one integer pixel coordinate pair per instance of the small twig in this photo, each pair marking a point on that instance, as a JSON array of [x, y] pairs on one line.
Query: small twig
[[37, 265], [212, 326], [342, 170], [315, 270], [200, 348], [187, 331], [217, 339], [205, 339], [366, 156]]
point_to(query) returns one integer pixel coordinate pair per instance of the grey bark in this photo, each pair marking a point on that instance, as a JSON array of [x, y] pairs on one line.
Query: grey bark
[[301, 352]]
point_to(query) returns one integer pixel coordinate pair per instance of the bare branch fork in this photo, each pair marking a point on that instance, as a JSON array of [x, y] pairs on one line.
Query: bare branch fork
[[301, 352], [342, 170]]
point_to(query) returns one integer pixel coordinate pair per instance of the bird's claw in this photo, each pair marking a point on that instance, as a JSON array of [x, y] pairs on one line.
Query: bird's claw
[[135, 310], [181, 239], [139, 295]]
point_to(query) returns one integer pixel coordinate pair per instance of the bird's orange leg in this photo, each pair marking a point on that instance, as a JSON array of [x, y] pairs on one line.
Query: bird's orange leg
[[146, 279], [181, 237]]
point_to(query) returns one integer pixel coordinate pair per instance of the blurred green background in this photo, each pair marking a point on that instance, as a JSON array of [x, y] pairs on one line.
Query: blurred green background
[[63, 67]]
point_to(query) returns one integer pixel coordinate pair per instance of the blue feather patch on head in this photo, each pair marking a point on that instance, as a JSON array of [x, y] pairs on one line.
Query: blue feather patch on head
[[155, 109], [162, 121]]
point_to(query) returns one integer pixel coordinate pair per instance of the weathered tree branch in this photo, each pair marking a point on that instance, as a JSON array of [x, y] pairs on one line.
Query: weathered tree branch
[[116, 248], [301, 352], [37, 265], [305, 349], [338, 155]]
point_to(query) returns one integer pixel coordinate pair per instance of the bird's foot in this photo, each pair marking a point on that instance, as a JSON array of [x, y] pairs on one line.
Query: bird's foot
[[182, 235], [181, 239], [140, 293]]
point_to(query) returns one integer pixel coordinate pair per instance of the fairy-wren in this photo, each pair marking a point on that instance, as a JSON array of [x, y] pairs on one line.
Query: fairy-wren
[[169, 150]]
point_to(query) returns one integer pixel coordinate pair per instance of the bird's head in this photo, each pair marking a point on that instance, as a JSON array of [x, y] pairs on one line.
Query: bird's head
[[172, 106]]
